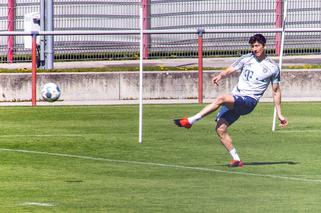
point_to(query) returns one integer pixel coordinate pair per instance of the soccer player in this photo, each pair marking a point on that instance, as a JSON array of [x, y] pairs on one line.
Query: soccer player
[[256, 71]]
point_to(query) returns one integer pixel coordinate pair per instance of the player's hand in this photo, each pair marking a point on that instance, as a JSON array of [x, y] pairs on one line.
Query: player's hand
[[283, 122], [216, 79]]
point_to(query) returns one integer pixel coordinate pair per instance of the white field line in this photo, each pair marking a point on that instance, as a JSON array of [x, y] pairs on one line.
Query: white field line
[[299, 130], [37, 204], [49, 135], [166, 165]]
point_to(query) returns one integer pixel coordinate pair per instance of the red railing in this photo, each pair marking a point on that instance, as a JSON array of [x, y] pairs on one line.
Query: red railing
[[11, 20], [200, 66], [34, 70]]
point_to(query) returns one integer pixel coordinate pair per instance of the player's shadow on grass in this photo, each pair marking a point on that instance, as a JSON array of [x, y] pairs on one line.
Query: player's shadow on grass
[[269, 163]]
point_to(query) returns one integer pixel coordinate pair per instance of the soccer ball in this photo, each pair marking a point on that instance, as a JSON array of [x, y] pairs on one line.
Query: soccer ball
[[50, 92]]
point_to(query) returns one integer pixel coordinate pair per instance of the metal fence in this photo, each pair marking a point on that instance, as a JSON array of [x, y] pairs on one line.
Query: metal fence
[[165, 15]]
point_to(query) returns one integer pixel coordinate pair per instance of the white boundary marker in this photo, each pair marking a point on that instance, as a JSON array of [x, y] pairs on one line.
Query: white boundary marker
[[48, 135], [37, 204], [53, 135], [281, 53], [165, 165], [141, 72], [299, 130]]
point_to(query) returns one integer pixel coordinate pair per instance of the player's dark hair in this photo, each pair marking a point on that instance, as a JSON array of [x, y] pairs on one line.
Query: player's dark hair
[[257, 38]]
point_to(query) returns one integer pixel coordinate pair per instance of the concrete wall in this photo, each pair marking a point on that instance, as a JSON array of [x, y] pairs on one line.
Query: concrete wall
[[296, 85]]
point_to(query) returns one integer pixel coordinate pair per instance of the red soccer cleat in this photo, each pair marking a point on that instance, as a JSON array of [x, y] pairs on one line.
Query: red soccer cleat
[[235, 163], [183, 123]]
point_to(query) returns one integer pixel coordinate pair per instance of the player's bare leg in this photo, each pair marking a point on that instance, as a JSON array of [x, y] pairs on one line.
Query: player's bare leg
[[221, 130], [226, 140], [227, 100]]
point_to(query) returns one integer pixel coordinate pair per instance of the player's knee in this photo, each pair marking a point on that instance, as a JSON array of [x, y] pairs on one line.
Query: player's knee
[[221, 131], [220, 100]]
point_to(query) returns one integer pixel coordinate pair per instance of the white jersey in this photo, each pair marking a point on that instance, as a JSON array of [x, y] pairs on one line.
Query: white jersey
[[255, 76]]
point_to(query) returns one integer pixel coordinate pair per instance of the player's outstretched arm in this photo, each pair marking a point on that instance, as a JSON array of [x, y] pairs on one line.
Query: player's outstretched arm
[[222, 74], [277, 102]]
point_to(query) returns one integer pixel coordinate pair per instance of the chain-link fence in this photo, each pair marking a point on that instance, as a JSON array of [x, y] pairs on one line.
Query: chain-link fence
[[165, 15]]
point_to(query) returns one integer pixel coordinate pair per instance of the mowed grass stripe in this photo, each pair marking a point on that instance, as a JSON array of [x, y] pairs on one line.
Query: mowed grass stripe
[[174, 170], [164, 165]]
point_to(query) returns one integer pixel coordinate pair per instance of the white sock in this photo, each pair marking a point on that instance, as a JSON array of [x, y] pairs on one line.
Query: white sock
[[234, 154], [194, 118]]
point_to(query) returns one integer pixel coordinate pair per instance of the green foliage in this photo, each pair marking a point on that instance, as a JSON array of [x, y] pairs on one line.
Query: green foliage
[[136, 69], [305, 66], [111, 69], [88, 159]]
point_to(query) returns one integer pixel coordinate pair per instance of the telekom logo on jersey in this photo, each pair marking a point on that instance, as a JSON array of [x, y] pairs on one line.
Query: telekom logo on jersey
[[248, 74]]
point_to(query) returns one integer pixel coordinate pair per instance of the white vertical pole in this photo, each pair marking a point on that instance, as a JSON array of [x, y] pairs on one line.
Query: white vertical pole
[[141, 76], [49, 26], [274, 120], [281, 53]]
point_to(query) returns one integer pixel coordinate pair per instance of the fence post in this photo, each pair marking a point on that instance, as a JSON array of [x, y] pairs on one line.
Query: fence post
[[200, 33], [11, 4], [278, 24], [49, 39], [34, 69], [146, 26]]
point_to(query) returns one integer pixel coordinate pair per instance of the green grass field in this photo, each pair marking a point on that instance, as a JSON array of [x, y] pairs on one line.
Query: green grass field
[[88, 159]]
